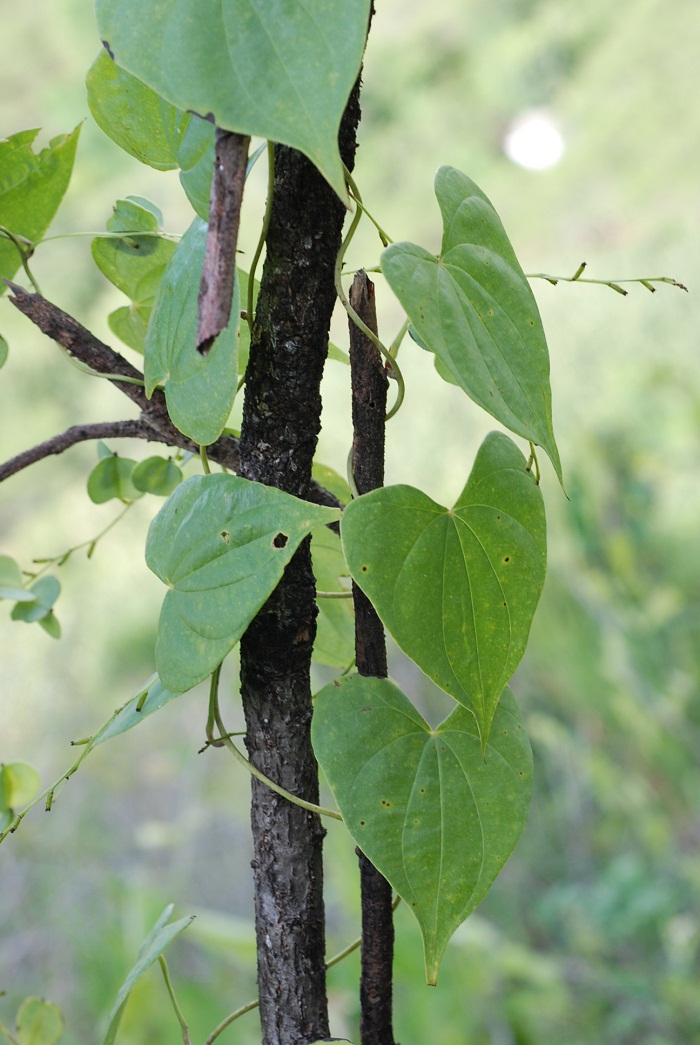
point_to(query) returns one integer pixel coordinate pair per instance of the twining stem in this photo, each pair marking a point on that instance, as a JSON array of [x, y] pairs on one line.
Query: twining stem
[[91, 544], [25, 249], [263, 235], [225, 738], [614, 284], [355, 193]]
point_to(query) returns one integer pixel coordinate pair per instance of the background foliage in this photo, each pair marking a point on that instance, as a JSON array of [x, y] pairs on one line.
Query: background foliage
[[592, 933]]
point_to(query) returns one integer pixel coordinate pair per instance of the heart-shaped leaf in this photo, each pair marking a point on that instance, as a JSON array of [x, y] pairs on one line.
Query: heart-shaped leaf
[[277, 69], [156, 475], [44, 592], [32, 186], [221, 544], [473, 307], [434, 816], [457, 587], [111, 478], [199, 390]]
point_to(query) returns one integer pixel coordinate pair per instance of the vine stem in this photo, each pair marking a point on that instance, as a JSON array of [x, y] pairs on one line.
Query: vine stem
[[91, 544], [225, 738], [178, 1011], [614, 284], [356, 319], [25, 249], [263, 235]]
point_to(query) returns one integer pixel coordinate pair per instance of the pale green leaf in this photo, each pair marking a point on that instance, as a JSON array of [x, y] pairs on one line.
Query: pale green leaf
[[221, 544], [199, 390], [438, 819], [331, 481], [128, 716], [473, 307], [19, 782], [11, 583], [335, 625], [4, 351], [32, 186], [44, 591], [39, 1022], [457, 588], [278, 69], [111, 478], [151, 949]]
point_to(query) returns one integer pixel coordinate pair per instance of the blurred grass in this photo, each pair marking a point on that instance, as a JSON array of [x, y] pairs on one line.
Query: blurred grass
[[592, 933]]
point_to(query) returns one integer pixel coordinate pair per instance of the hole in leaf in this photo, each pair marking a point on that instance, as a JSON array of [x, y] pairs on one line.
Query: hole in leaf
[[507, 558], [280, 541], [364, 569], [226, 536]]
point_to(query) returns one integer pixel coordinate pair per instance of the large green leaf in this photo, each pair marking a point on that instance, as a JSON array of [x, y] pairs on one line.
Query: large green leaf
[[457, 587], [199, 389], [278, 69], [32, 186], [135, 265], [221, 544], [151, 129], [434, 816], [153, 946], [473, 307]]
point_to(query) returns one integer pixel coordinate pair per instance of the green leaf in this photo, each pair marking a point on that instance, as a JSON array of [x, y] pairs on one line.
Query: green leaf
[[278, 69], [31, 188], [11, 583], [50, 625], [39, 1022], [19, 782], [157, 133], [130, 113], [45, 591], [128, 716], [135, 265], [335, 626], [457, 588], [157, 475], [199, 389], [473, 307], [151, 949], [4, 351], [111, 478], [221, 543], [436, 818], [332, 482]]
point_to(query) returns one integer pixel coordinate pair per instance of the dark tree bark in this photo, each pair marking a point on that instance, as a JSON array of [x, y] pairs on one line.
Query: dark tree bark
[[369, 394], [281, 421]]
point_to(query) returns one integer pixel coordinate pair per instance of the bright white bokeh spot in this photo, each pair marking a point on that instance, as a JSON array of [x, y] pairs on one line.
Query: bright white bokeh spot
[[534, 140]]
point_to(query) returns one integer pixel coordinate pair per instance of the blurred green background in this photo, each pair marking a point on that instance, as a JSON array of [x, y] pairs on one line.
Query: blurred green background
[[591, 934]]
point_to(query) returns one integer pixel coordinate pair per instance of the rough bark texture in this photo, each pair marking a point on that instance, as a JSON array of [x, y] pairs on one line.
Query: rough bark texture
[[281, 420], [369, 394]]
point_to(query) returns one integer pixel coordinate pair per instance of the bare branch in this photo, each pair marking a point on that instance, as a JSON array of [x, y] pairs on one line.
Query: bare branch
[[216, 287], [78, 434], [76, 339]]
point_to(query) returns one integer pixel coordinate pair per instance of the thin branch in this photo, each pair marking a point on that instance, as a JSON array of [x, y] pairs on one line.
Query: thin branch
[[84, 346], [78, 434], [216, 286]]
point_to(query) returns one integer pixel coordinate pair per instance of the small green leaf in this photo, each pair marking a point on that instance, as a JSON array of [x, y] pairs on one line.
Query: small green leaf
[[457, 588], [199, 390], [39, 1022], [337, 354], [432, 814], [111, 478], [157, 475], [45, 591], [221, 544], [11, 583], [335, 626], [473, 307], [51, 625], [278, 69], [151, 949], [4, 351], [19, 782], [31, 188], [134, 265], [128, 716]]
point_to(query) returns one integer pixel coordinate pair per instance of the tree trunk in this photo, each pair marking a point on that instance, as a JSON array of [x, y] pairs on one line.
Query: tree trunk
[[281, 421]]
